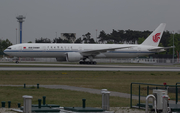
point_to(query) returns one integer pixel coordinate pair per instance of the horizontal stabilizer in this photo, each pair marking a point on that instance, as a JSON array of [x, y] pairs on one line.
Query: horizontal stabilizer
[[160, 48]]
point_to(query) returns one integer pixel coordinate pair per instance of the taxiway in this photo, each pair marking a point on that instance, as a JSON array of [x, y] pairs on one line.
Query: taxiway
[[77, 67]]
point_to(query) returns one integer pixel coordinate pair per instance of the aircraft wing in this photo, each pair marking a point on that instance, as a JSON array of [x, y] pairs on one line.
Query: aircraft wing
[[160, 48], [98, 51]]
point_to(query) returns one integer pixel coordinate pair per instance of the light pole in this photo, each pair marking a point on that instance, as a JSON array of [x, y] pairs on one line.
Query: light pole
[[20, 19], [16, 35], [96, 35], [173, 46]]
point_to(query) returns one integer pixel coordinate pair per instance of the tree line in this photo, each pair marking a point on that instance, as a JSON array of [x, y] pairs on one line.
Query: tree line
[[69, 38], [120, 37], [116, 37], [3, 45]]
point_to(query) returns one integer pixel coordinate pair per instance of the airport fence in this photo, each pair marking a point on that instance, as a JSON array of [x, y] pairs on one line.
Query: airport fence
[[120, 60], [141, 90]]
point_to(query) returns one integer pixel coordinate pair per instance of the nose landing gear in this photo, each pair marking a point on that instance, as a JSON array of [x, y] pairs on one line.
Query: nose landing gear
[[17, 60], [88, 62], [83, 61]]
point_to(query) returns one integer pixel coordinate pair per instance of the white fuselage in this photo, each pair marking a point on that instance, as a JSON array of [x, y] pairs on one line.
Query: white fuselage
[[55, 50]]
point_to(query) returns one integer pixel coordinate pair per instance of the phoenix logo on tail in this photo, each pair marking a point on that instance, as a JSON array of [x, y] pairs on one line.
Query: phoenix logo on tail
[[156, 37]]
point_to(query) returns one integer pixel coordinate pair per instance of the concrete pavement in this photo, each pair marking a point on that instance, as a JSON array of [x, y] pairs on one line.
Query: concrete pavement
[[89, 90]]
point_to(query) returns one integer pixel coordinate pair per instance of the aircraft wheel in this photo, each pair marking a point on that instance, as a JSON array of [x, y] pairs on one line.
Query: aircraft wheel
[[94, 62]]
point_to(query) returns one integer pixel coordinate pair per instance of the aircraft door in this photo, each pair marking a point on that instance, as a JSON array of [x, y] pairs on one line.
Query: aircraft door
[[19, 48], [80, 48], [138, 51]]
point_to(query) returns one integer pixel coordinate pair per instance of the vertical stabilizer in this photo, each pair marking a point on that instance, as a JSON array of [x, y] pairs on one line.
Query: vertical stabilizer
[[154, 38]]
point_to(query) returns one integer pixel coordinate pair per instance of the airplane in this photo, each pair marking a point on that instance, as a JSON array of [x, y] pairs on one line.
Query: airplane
[[85, 53]]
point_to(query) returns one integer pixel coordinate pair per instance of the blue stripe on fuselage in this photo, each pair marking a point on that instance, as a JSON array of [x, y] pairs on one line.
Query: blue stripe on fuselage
[[78, 51]]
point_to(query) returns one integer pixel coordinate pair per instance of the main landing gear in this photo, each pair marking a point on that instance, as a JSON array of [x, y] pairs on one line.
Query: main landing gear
[[88, 62], [83, 61]]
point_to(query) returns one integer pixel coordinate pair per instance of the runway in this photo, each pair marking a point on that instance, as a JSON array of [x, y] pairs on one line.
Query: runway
[[77, 67]]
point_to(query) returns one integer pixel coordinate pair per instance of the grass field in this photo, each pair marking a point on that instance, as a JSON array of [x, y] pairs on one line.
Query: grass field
[[113, 81], [60, 97]]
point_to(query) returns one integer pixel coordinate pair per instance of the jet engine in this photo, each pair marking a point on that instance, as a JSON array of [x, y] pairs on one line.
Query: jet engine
[[73, 56]]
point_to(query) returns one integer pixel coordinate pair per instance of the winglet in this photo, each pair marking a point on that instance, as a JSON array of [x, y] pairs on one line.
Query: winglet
[[154, 38]]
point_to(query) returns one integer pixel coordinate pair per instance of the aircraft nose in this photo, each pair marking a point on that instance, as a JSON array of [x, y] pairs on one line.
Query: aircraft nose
[[5, 51]]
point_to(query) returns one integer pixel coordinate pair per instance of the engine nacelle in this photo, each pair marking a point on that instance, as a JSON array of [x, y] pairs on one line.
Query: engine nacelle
[[61, 59], [73, 56]]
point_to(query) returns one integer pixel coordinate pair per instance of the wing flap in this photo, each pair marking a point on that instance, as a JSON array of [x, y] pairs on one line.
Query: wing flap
[[98, 51]]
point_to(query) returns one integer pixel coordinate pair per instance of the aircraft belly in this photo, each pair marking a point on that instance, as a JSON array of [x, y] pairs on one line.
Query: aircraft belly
[[120, 55], [123, 55], [53, 54], [42, 54], [28, 54]]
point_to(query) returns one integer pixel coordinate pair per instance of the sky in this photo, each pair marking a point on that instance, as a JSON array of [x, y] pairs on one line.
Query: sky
[[46, 18]]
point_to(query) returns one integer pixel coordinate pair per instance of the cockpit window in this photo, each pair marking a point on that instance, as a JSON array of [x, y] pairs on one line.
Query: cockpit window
[[8, 48]]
